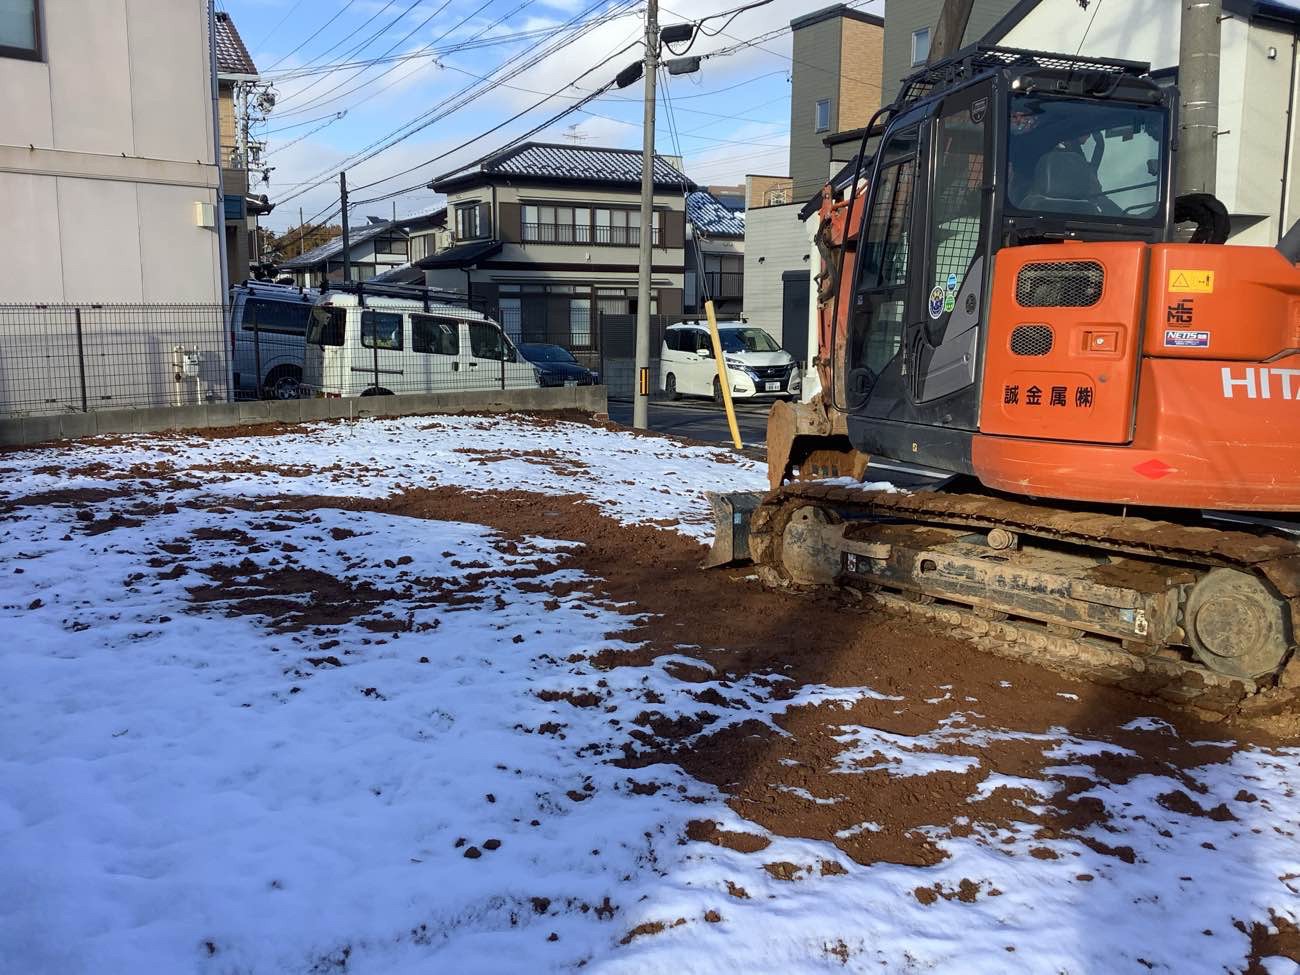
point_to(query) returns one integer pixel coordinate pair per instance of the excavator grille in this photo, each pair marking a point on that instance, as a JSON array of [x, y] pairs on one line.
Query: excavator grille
[[1060, 284], [1031, 340]]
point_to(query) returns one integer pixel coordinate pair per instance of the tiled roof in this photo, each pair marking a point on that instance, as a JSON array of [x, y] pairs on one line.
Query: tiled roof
[[462, 255], [333, 248], [232, 56], [584, 163], [711, 218]]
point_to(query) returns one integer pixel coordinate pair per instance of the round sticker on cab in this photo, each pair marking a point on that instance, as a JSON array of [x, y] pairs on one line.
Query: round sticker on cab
[[936, 301]]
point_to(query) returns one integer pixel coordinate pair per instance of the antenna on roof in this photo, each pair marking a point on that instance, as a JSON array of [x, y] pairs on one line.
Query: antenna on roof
[[573, 135]]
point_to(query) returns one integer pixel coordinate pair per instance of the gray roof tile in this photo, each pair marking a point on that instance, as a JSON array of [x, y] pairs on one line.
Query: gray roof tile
[[711, 218], [584, 163]]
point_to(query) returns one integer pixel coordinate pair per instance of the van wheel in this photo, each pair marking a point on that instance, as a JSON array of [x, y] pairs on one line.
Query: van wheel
[[284, 382], [377, 391], [717, 392], [670, 387]]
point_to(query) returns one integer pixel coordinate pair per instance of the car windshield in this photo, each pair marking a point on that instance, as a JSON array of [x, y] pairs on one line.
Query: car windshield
[[1085, 157], [546, 353], [747, 340]]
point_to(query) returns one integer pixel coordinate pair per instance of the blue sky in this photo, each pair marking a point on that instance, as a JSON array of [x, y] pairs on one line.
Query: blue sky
[[732, 118]]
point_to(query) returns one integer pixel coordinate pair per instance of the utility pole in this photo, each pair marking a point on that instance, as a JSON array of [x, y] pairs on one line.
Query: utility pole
[[347, 259], [1198, 83], [302, 232], [641, 395]]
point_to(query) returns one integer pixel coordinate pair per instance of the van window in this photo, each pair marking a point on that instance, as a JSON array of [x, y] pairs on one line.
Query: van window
[[485, 341], [439, 336], [673, 339], [381, 330], [282, 317], [327, 325]]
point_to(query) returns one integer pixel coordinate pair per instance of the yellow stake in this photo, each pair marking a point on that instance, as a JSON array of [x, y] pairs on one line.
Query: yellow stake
[[723, 379]]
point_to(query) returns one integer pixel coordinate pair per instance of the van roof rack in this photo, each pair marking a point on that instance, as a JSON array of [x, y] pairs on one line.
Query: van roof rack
[[412, 292]]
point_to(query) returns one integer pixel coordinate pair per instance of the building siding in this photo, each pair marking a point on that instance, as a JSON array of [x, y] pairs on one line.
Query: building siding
[[775, 242], [816, 76], [861, 62], [904, 18], [105, 149]]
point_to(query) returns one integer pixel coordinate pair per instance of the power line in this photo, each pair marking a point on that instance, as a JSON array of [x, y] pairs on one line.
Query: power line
[[439, 111], [311, 37], [496, 128], [280, 23], [359, 48]]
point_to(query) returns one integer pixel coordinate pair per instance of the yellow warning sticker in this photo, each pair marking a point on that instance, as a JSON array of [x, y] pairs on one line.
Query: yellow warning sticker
[[1192, 282]]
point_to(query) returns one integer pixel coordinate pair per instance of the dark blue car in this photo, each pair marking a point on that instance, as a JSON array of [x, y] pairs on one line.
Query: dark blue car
[[556, 366]]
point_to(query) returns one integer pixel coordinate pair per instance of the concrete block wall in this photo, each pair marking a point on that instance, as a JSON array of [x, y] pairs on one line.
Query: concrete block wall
[[28, 430]]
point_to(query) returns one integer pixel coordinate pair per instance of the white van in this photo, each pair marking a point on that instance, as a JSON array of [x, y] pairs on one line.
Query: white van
[[364, 345], [757, 367]]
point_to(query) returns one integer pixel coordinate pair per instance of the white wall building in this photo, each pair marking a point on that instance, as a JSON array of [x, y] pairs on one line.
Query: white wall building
[[108, 170]]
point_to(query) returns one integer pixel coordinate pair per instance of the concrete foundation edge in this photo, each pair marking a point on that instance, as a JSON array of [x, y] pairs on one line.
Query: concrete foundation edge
[[24, 431]]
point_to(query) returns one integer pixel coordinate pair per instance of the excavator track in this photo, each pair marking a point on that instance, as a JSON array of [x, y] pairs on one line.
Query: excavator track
[[1202, 616]]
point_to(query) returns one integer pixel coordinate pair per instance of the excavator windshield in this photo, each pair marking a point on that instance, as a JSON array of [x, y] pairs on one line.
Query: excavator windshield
[[1085, 157]]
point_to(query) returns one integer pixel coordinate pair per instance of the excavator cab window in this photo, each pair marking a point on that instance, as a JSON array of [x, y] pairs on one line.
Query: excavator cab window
[[1085, 157], [881, 295]]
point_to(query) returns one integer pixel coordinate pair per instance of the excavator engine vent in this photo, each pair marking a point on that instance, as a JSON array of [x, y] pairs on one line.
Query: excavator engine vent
[[1031, 340], [1059, 284]]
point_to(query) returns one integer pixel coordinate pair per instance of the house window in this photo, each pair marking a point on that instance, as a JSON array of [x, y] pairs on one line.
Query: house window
[[546, 224], [920, 46], [20, 29], [467, 221], [623, 227], [824, 115]]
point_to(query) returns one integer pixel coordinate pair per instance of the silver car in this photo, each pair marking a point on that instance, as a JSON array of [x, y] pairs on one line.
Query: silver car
[[269, 324]]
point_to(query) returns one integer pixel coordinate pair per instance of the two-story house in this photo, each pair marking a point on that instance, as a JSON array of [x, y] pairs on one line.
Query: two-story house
[[715, 255], [375, 247], [549, 235]]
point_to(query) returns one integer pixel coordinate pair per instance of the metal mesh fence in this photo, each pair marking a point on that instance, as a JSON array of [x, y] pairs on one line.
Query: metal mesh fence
[[77, 358]]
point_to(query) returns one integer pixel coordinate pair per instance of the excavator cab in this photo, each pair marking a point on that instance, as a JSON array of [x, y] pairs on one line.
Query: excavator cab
[[993, 149]]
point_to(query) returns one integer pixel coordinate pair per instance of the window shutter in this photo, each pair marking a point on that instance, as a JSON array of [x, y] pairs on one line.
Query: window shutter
[[674, 228], [509, 229], [485, 220]]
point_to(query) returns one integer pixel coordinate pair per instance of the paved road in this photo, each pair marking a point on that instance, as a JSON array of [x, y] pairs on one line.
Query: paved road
[[700, 420]]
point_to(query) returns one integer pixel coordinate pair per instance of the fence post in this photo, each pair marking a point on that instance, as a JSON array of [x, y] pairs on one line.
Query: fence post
[[502, 353], [257, 353], [81, 362], [374, 349]]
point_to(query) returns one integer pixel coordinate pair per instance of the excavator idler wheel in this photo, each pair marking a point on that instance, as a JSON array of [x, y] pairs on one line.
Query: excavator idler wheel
[[807, 555], [1236, 625]]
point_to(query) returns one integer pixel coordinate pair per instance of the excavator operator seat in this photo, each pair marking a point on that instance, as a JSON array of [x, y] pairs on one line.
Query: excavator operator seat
[[1064, 182]]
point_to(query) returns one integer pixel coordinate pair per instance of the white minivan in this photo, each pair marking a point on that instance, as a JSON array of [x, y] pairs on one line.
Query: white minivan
[[375, 345], [756, 365]]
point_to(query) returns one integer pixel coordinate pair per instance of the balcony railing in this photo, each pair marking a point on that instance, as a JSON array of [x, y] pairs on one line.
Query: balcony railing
[[725, 284], [565, 233]]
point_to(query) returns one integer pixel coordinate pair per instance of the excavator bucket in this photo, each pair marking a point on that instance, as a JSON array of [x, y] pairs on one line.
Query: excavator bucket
[[731, 514]]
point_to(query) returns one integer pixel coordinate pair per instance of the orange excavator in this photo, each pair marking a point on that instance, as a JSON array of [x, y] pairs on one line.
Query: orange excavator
[[1113, 416]]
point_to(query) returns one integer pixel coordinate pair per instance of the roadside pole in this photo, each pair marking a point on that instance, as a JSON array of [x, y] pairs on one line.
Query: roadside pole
[[1198, 83], [343, 202], [724, 380], [641, 394]]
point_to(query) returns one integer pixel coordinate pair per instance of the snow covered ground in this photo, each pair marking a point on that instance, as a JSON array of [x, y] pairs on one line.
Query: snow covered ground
[[318, 741]]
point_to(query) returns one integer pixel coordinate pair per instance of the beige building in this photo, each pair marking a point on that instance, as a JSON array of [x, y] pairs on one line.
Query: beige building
[[108, 169], [838, 53], [237, 78], [549, 235]]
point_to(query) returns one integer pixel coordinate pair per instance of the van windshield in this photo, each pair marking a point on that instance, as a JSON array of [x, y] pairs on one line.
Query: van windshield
[[327, 325], [747, 340]]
